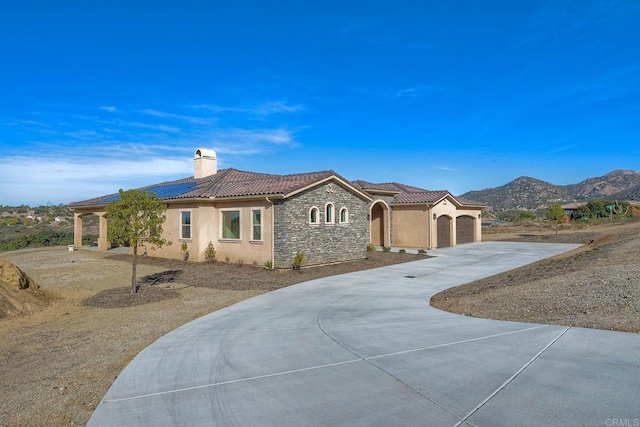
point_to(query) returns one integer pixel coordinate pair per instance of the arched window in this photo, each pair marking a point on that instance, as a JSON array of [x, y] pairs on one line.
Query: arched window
[[328, 217], [344, 215], [313, 216]]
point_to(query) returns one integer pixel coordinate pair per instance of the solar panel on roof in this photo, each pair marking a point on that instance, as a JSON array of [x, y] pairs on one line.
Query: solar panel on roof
[[172, 190]]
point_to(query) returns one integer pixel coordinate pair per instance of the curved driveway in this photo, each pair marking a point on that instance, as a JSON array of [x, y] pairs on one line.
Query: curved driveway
[[367, 349]]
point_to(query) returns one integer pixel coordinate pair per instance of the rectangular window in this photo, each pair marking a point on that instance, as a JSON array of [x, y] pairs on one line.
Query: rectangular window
[[185, 222], [256, 216], [231, 224]]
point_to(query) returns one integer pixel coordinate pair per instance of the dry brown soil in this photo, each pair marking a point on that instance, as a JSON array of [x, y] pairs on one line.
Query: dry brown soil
[[595, 286], [57, 362]]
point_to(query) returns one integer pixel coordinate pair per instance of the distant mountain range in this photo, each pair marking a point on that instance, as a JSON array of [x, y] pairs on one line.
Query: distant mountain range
[[532, 194]]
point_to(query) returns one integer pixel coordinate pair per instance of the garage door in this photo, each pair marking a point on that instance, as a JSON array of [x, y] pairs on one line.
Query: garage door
[[464, 229], [444, 232]]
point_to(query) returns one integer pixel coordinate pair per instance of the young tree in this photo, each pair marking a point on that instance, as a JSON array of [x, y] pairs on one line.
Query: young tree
[[556, 213], [134, 219]]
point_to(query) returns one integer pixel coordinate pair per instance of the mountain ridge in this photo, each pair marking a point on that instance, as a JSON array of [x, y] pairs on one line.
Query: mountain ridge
[[531, 194]]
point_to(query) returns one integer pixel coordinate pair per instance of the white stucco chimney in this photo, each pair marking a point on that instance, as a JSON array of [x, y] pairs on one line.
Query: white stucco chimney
[[205, 163]]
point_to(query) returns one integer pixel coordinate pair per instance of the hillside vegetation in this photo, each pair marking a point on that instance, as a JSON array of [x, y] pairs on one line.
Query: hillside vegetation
[[25, 227], [531, 194]]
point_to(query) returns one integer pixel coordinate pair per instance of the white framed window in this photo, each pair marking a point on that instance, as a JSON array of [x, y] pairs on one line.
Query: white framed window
[[256, 224], [185, 224], [344, 215], [230, 224], [314, 216], [329, 213]]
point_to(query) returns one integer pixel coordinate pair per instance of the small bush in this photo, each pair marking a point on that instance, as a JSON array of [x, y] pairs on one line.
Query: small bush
[[371, 247], [298, 260], [184, 250], [386, 248], [402, 251], [268, 265], [210, 253], [422, 252]]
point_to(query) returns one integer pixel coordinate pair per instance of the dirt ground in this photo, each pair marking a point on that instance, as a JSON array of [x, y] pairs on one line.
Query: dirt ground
[[56, 363], [595, 286]]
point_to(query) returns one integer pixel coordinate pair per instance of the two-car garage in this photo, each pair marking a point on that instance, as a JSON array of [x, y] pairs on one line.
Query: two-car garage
[[465, 226]]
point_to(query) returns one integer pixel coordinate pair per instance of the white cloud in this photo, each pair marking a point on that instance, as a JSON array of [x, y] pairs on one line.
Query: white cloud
[[277, 107], [162, 128], [265, 109], [109, 109], [190, 119], [445, 168], [416, 91], [35, 181]]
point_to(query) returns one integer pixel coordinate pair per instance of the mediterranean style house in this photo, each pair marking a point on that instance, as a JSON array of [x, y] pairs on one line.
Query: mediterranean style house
[[258, 218]]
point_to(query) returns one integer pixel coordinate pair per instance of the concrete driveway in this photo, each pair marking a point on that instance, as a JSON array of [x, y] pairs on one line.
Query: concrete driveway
[[367, 349]]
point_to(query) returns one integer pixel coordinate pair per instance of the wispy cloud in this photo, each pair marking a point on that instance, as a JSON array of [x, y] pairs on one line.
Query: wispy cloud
[[416, 91], [445, 168], [161, 128], [277, 107], [264, 109], [561, 149], [190, 119], [63, 180], [93, 154], [109, 109]]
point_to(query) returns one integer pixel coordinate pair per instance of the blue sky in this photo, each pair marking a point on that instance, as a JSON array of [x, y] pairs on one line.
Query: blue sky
[[458, 95]]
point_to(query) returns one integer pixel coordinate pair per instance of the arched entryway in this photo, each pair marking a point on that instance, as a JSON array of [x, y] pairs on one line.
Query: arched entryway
[[102, 242], [465, 227], [380, 224], [444, 231]]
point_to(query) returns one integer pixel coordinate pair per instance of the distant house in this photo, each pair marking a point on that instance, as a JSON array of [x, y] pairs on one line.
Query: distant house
[[257, 218], [569, 208]]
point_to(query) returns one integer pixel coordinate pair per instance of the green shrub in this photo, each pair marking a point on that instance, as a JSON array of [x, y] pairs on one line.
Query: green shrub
[[402, 251], [210, 253], [386, 248], [268, 265], [422, 252], [184, 250], [371, 247], [298, 260]]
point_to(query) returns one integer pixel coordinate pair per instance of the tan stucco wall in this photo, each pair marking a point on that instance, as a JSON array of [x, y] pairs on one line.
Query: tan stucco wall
[[448, 208], [206, 227], [414, 226], [410, 226]]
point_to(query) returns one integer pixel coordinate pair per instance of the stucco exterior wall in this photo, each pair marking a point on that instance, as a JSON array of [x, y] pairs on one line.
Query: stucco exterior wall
[[411, 226], [415, 226], [448, 208], [206, 227], [324, 242]]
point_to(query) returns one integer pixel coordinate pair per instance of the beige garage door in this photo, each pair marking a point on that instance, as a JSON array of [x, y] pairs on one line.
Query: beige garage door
[[464, 229]]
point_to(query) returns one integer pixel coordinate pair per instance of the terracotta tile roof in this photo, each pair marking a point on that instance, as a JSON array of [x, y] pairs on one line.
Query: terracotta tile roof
[[407, 194], [230, 183], [227, 183], [386, 187], [427, 197]]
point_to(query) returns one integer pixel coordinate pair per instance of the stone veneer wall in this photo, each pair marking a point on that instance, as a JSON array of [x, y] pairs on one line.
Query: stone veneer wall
[[322, 243]]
